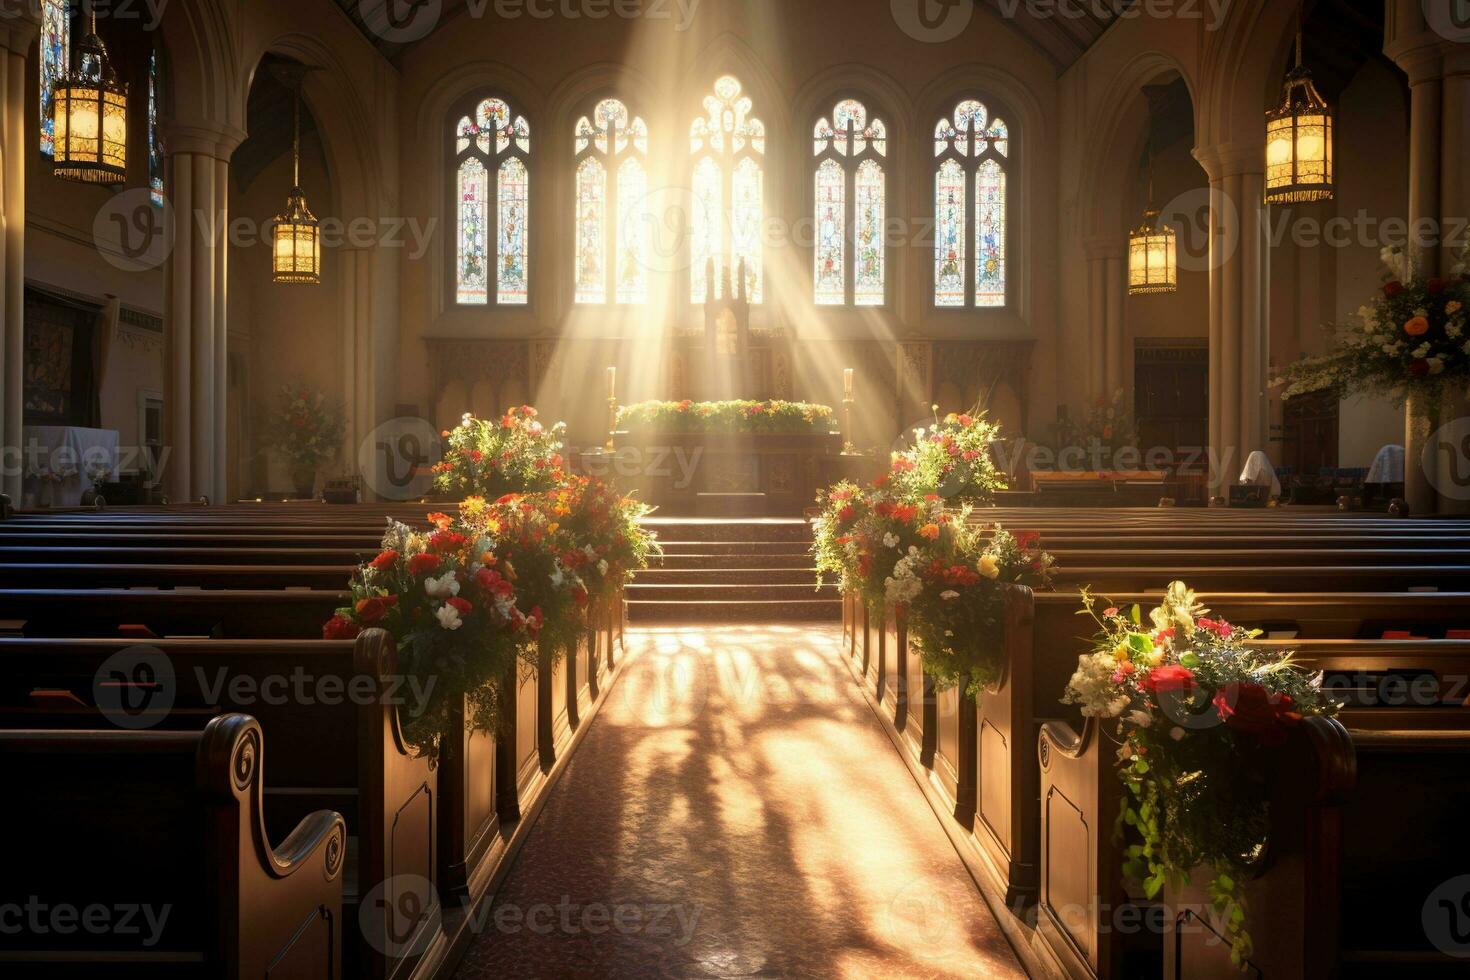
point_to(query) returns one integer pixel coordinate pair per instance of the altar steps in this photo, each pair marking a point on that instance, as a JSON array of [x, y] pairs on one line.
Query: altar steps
[[722, 571]]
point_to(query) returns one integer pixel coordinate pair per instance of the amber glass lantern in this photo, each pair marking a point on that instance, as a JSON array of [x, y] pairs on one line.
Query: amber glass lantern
[[1299, 141], [1152, 263], [90, 114], [296, 235]]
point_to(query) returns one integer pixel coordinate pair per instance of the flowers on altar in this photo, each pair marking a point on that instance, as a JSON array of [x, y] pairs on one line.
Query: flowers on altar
[[1408, 340], [1108, 426], [305, 427], [1196, 707], [490, 458], [726, 416]]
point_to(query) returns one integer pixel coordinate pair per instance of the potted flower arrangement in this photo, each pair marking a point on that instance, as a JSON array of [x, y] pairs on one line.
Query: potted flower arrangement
[[726, 416], [1198, 712], [308, 431], [1408, 343], [490, 458], [1108, 428], [952, 458]]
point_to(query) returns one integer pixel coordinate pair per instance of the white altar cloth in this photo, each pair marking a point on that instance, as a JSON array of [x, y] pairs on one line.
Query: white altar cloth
[[68, 451], [1259, 472], [1388, 466]]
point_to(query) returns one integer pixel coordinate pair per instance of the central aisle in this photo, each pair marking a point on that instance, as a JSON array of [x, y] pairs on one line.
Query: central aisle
[[736, 811]]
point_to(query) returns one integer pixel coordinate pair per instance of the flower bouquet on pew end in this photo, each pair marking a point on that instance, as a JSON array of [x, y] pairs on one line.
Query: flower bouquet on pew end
[[953, 458], [607, 542], [513, 454], [1198, 713], [465, 601]]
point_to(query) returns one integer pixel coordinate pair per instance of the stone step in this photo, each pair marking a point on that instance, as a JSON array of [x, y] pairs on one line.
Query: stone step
[[723, 575], [724, 592], [761, 560], [717, 548], [797, 610], [732, 529]]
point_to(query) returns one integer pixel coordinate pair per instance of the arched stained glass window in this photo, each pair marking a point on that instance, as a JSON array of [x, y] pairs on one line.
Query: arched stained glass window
[[971, 148], [851, 205], [728, 146], [492, 253], [55, 59], [612, 233]]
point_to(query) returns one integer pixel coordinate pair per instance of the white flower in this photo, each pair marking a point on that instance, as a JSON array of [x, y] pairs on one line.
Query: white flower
[[890, 540], [1422, 350], [1453, 329], [602, 566], [1092, 687], [556, 576], [949, 595], [442, 587], [1140, 718], [1436, 366], [448, 617]]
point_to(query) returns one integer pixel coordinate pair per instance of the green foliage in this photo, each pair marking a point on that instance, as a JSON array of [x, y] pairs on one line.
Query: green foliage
[[305, 427], [726, 416], [514, 454]]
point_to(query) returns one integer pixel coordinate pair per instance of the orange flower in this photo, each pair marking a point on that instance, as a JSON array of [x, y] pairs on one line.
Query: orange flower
[[440, 520], [930, 531], [1417, 327]]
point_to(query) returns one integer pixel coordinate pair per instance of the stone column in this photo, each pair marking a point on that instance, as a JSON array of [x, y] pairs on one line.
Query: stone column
[[1239, 321], [18, 28], [197, 304], [1436, 59], [1106, 280]]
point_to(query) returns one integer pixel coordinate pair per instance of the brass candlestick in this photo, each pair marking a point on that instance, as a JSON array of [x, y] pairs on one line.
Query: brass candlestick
[[612, 422], [848, 449]]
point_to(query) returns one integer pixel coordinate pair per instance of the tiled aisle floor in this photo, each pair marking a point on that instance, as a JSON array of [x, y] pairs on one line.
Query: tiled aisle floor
[[736, 811]]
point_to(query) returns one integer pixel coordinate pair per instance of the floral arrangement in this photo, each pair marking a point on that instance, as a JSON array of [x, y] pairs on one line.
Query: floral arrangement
[[460, 612], [305, 427], [514, 454], [608, 541], [1410, 340], [956, 618], [726, 416], [952, 458], [1197, 708], [1109, 426]]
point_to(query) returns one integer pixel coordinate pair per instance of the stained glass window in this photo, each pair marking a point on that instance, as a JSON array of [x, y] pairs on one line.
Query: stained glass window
[[155, 145], [972, 147], [851, 204], [55, 57], [725, 222], [492, 145], [612, 232]]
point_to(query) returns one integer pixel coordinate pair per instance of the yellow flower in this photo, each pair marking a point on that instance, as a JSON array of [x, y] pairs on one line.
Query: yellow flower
[[1122, 652], [989, 567]]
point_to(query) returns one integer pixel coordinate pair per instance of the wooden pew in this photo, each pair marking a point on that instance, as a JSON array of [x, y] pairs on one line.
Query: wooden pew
[[184, 839], [233, 613], [330, 710], [51, 575]]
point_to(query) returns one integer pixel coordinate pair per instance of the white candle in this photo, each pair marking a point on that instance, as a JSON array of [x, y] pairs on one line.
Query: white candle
[[612, 382], [847, 383]]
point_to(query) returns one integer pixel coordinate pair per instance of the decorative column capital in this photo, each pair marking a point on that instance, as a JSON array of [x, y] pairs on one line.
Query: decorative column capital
[[1232, 159], [208, 139], [19, 24]]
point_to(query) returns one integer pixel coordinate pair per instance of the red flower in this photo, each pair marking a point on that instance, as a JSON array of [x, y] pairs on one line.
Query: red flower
[[419, 564], [1419, 367], [384, 561], [439, 520], [1169, 678], [464, 606], [1250, 708], [1218, 627], [442, 541], [905, 514], [1436, 286], [846, 514], [1026, 540], [474, 455], [339, 627], [1393, 288], [494, 583], [374, 608]]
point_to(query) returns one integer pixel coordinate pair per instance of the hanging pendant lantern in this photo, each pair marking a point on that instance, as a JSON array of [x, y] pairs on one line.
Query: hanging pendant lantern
[[90, 116], [296, 234], [1152, 246], [1299, 141]]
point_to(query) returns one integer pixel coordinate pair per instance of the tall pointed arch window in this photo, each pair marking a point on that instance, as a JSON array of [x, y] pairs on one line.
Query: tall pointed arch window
[[612, 232], [850, 204], [971, 152], [55, 61], [155, 143], [492, 184], [727, 146]]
